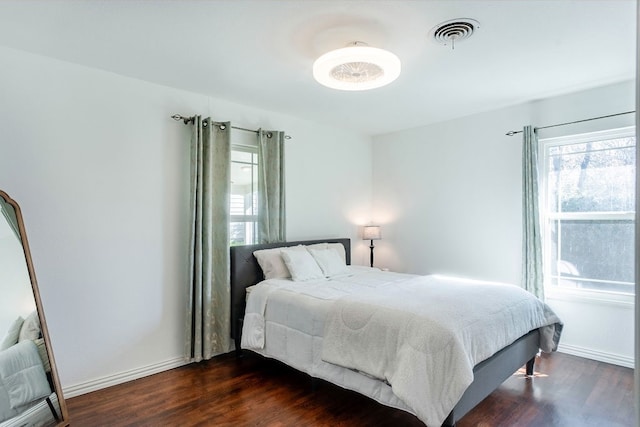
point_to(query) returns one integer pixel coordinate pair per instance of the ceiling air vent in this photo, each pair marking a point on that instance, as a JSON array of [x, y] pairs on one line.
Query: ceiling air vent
[[455, 30]]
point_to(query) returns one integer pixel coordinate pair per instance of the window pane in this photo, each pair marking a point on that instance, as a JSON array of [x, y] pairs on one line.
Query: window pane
[[236, 204], [594, 176], [237, 234], [242, 232], [244, 195], [596, 255], [241, 156]]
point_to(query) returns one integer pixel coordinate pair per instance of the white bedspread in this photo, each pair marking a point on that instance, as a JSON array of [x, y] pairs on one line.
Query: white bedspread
[[358, 280], [22, 378], [424, 335], [427, 363]]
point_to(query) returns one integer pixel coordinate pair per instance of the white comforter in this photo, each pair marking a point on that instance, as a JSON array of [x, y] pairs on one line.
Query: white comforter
[[422, 335], [22, 379]]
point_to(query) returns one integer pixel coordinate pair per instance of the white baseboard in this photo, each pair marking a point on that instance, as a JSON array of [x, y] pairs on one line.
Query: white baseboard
[[121, 377], [601, 356]]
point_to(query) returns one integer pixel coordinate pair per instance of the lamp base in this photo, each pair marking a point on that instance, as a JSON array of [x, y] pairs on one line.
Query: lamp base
[[371, 259]]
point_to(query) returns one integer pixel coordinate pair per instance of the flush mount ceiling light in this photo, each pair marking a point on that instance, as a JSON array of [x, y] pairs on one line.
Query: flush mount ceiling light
[[356, 67], [455, 30]]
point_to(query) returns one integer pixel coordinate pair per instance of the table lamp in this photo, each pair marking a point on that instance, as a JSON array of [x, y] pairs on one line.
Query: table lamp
[[371, 232]]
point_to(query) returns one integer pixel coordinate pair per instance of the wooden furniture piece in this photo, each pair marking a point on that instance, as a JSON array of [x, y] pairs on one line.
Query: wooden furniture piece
[[488, 375]]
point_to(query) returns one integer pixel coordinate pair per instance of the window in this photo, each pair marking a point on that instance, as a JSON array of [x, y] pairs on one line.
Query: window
[[244, 196], [588, 204]]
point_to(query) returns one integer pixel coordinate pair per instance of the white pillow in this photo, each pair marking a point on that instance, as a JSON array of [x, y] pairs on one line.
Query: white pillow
[[339, 248], [13, 334], [317, 246], [329, 261], [301, 265], [30, 328], [272, 264]]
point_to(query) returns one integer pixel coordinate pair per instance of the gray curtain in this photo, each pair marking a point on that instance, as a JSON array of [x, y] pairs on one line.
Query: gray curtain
[[271, 191], [531, 238], [208, 314]]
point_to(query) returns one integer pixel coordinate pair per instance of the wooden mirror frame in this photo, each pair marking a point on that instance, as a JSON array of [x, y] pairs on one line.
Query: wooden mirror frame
[[64, 421]]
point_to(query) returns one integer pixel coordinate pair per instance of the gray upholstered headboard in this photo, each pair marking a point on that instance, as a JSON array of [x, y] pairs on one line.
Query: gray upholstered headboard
[[245, 272]]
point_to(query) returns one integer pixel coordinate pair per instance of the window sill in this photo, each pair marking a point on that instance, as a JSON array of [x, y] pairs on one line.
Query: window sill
[[591, 297]]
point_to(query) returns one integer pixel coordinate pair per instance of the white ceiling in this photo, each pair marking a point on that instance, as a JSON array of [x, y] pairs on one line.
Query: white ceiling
[[260, 53]]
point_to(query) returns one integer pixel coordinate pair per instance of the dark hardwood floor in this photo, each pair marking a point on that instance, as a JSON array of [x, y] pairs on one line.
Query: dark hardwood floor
[[565, 391]]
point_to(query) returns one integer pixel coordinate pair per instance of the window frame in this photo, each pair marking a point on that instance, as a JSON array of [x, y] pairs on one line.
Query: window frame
[[547, 217]]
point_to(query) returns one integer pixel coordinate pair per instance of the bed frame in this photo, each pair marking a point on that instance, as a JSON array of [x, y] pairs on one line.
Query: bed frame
[[488, 375]]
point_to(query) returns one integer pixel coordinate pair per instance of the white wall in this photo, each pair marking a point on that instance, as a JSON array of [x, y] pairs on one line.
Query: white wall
[[101, 173], [449, 199]]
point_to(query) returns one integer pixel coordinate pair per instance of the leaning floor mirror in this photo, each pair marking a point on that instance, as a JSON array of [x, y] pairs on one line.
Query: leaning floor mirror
[[30, 393]]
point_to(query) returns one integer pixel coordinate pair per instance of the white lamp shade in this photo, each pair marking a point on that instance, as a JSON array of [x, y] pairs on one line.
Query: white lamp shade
[[371, 232]]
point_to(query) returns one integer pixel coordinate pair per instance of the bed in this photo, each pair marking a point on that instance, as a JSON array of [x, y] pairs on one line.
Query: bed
[[306, 348]]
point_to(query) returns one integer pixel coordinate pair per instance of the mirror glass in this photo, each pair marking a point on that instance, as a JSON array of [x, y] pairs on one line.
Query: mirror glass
[[28, 377]]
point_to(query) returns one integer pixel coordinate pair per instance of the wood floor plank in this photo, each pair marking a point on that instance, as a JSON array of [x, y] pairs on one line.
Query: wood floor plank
[[252, 391]]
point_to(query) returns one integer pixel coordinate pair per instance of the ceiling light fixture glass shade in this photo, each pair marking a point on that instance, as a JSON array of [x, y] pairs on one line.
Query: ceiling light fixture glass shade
[[356, 67]]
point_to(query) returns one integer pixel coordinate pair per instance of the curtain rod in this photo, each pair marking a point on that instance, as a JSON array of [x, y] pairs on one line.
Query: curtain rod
[[187, 120], [513, 132]]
